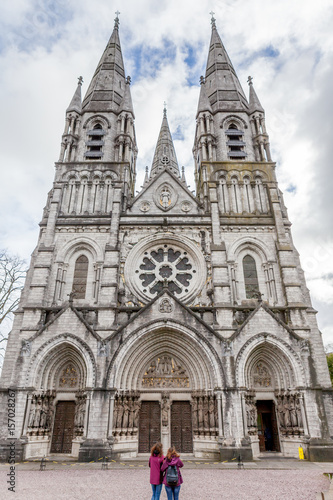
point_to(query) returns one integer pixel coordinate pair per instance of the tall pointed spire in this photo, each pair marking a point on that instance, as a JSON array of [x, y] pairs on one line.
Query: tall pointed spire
[[107, 86], [76, 104], [223, 87], [165, 155], [254, 103]]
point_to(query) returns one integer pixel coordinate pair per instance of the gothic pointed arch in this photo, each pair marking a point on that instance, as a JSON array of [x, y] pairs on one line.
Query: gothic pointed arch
[[268, 362], [165, 356]]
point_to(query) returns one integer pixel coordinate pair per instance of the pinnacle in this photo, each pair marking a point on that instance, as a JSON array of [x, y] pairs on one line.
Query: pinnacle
[[75, 104], [254, 103]]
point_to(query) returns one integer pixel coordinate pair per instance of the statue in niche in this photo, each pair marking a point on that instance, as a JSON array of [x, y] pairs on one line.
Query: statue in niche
[[165, 410], [299, 412], [137, 406], [131, 413], [195, 412], [126, 410], [200, 411], [120, 413], [292, 412], [165, 197], [211, 410]]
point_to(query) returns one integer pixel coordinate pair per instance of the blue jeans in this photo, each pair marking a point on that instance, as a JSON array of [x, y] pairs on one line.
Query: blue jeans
[[172, 492], [157, 488]]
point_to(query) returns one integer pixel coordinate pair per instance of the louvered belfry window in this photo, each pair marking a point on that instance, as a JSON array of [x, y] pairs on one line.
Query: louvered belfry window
[[80, 277], [250, 277]]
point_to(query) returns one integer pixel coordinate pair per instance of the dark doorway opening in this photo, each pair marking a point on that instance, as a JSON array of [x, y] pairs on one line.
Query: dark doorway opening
[[149, 425], [63, 429], [267, 426], [181, 426]]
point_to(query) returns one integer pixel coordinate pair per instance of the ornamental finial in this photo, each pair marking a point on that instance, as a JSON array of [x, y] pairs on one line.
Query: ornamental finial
[[249, 80], [212, 19], [116, 21], [165, 109], [80, 80]]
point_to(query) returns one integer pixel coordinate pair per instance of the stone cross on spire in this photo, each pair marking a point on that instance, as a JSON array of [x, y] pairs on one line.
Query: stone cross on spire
[[165, 109], [213, 19], [116, 21]]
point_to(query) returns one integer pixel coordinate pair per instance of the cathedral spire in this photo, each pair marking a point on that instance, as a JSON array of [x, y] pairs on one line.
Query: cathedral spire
[[165, 155], [76, 104], [223, 87], [107, 86]]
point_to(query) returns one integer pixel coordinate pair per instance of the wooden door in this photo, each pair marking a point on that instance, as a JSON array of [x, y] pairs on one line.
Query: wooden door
[[267, 426], [181, 426], [63, 429], [149, 425]]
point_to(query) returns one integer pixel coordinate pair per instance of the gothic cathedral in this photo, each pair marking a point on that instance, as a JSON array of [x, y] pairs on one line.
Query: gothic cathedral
[[166, 315]]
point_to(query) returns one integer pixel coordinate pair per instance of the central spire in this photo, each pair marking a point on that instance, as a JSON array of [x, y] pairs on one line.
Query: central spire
[[165, 155]]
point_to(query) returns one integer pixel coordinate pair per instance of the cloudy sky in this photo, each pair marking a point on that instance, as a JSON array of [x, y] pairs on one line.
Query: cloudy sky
[[286, 45]]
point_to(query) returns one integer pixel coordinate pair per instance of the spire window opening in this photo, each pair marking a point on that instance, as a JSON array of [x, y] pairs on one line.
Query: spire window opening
[[80, 277], [250, 277], [235, 143], [95, 142]]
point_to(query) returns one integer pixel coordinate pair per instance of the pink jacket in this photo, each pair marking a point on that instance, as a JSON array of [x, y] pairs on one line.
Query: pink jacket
[[174, 461], [155, 469]]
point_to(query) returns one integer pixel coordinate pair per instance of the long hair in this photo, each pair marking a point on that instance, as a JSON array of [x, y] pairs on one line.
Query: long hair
[[157, 450], [172, 453]]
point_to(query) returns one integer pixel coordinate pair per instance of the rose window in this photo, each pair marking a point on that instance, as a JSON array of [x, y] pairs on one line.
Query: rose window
[[161, 262], [165, 266]]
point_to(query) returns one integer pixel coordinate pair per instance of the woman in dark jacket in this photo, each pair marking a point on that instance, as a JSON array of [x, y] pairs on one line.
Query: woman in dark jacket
[[155, 462], [172, 458]]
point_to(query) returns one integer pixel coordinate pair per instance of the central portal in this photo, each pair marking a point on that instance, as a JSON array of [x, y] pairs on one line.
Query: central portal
[[149, 425], [181, 426]]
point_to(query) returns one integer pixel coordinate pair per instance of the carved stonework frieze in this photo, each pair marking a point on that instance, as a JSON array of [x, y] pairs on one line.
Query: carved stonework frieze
[[262, 376], [165, 371]]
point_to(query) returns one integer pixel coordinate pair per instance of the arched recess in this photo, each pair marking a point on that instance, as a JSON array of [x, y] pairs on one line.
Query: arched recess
[[199, 360], [279, 361], [52, 358]]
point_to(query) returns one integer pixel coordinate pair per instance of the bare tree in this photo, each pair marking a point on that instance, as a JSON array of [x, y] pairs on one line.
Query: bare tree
[[12, 275]]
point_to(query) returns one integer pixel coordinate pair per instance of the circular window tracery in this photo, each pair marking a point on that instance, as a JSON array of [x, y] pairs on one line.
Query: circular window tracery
[[174, 263], [165, 266]]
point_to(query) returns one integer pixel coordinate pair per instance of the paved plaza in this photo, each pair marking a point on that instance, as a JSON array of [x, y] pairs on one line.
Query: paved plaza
[[261, 480]]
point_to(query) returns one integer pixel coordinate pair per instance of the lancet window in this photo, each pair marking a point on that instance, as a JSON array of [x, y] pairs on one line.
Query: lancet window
[[250, 277], [80, 277]]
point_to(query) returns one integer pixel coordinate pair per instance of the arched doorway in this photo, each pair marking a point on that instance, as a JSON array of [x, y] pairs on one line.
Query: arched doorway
[[57, 408], [166, 384], [273, 405]]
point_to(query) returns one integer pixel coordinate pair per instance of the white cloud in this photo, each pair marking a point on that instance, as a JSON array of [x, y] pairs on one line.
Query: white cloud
[[45, 45]]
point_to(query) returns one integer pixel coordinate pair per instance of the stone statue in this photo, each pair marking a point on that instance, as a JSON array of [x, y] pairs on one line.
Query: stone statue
[[206, 414], [165, 410], [292, 412], [120, 413], [200, 411], [195, 413], [211, 410], [131, 413], [126, 410], [137, 406], [299, 413], [165, 197]]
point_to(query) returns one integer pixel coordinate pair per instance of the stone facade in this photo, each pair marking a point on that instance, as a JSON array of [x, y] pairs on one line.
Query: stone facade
[[140, 312]]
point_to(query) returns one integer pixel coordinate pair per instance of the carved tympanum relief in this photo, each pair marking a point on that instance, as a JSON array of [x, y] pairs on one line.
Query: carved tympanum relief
[[165, 371]]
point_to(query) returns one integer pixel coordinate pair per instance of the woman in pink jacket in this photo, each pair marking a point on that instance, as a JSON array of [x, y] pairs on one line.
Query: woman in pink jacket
[[155, 461], [172, 458]]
